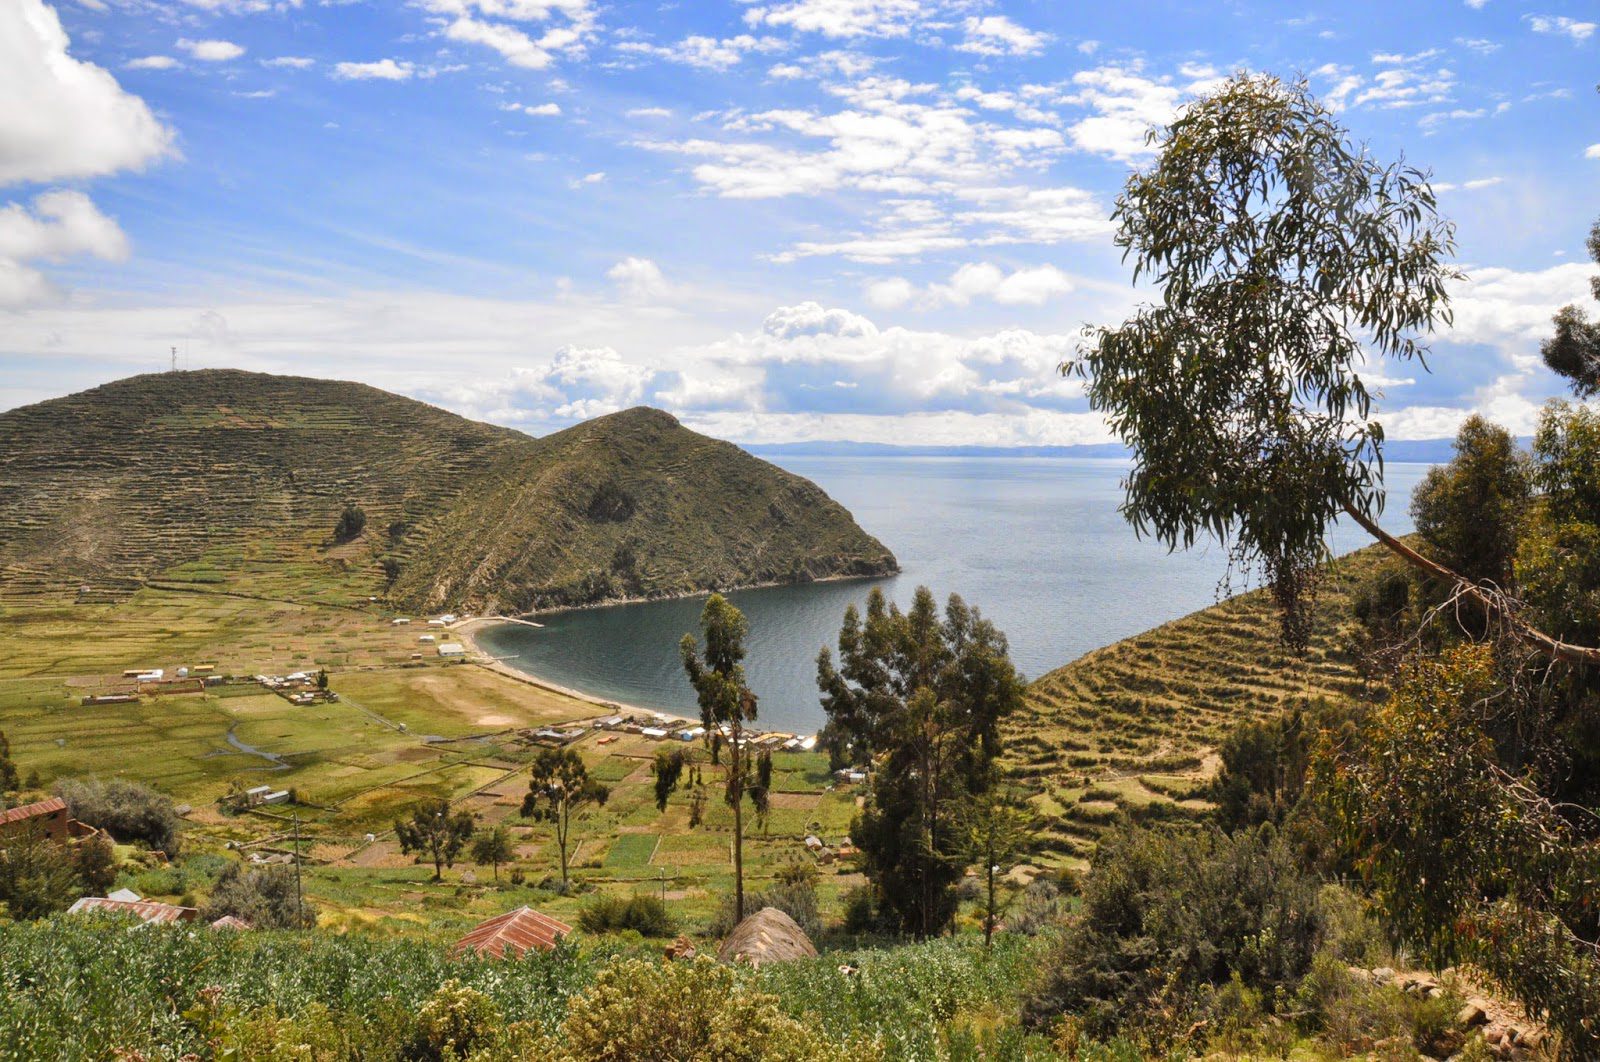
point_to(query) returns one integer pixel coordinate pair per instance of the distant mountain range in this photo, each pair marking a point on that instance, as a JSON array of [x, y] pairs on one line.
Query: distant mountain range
[[237, 479], [1423, 451]]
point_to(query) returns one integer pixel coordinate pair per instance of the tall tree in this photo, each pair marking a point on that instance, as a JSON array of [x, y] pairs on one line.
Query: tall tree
[[920, 701], [1286, 258], [998, 827], [435, 833], [1471, 510], [493, 847], [1574, 350], [559, 787], [726, 705]]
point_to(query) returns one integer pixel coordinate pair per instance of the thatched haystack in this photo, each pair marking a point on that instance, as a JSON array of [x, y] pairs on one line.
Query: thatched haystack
[[769, 935]]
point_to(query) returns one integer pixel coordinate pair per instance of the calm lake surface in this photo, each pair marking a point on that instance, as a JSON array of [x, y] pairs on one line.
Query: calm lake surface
[[1035, 543]]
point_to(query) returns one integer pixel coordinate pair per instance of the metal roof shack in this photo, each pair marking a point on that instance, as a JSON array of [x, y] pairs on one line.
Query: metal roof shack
[[512, 934], [238, 925], [147, 911]]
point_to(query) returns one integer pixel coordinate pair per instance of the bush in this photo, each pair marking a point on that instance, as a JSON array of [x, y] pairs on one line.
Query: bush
[[264, 897], [793, 894], [695, 1009], [645, 914], [1168, 917], [127, 810], [352, 521]]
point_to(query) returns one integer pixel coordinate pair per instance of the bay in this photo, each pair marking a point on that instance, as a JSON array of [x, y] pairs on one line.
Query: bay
[[1036, 544]]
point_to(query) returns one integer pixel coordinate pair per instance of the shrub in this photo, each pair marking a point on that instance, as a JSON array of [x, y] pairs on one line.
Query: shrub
[[645, 914], [1168, 917], [127, 810], [454, 1023], [795, 897], [36, 877], [352, 521], [264, 897], [695, 1009]]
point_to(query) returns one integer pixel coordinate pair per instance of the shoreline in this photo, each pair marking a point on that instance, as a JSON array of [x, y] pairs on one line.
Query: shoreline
[[466, 628], [614, 602]]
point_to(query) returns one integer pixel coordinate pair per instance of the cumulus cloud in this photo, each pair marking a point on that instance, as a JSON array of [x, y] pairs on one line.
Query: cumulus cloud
[[563, 27], [1027, 286], [842, 18], [1593, 152], [638, 277], [60, 225], [151, 62], [63, 117], [813, 319], [998, 35], [210, 51], [536, 110], [1562, 25], [1125, 103], [706, 53], [381, 70]]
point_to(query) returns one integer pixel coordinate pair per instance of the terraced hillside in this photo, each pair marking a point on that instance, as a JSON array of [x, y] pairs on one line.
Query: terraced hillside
[[236, 480], [1131, 728]]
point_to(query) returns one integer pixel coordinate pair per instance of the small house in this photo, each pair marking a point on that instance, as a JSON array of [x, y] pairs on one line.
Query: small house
[[511, 935], [436, 623], [426, 638], [256, 794], [452, 649], [448, 618], [654, 733], [229, 922], [277, 796], [146, 911], [125, 896], [400, 621], [48, 817]]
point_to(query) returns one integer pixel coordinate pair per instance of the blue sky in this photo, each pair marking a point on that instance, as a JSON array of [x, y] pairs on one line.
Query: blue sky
[[782, 220]]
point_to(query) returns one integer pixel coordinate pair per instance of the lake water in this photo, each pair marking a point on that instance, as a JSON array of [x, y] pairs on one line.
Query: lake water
[[1035, 543]]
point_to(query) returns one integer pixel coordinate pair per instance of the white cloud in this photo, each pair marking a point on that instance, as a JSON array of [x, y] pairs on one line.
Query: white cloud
[[151, 62], [63, 117], [61, 225], [1473, 185], [1562, 25], [292, 62], [1593, 152], [638, 278], [1480, 45], [584, 382], [998, 35], [813, 319], [211, 51], [381, 70], [245, 7], [1027, 286], [489, 23], [842, 18], [705, 53], [589, 178], [536, 110], [649, 112], [1126, 104]]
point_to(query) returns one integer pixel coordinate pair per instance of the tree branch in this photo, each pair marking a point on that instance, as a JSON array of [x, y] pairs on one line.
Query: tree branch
[[1554, 648]]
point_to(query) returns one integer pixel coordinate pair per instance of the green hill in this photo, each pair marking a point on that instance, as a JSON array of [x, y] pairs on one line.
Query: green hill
[[1131, 729], [237, 480]]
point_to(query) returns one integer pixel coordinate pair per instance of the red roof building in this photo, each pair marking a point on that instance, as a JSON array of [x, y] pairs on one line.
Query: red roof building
[[512, 935], [238, 925], [144, 910], [47, 816]]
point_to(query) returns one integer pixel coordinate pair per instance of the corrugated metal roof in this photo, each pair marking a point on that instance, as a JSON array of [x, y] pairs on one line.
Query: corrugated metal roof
[[512, 934], [144, 910], [29, 811], [230, 922]]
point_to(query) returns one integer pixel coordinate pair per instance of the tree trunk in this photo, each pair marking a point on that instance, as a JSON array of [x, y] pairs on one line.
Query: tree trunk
[[1553, 648], [988, 918], [738, 825], [561, 842]]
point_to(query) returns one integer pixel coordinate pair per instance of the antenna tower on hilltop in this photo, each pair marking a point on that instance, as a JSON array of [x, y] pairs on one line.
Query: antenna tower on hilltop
[[174, 359]]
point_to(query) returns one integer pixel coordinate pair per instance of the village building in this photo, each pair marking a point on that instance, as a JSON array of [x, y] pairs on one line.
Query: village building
[[147, 911], [452, 649], [47, 817], [512, 935], [767, 936]]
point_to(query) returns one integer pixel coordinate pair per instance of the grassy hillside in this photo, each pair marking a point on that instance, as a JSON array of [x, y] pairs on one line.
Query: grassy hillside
[[1132, 727], [228, 480]]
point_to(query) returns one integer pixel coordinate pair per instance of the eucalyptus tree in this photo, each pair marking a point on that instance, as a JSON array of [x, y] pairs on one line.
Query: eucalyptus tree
[[726, 705], [558, 787], [1574, 350]]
